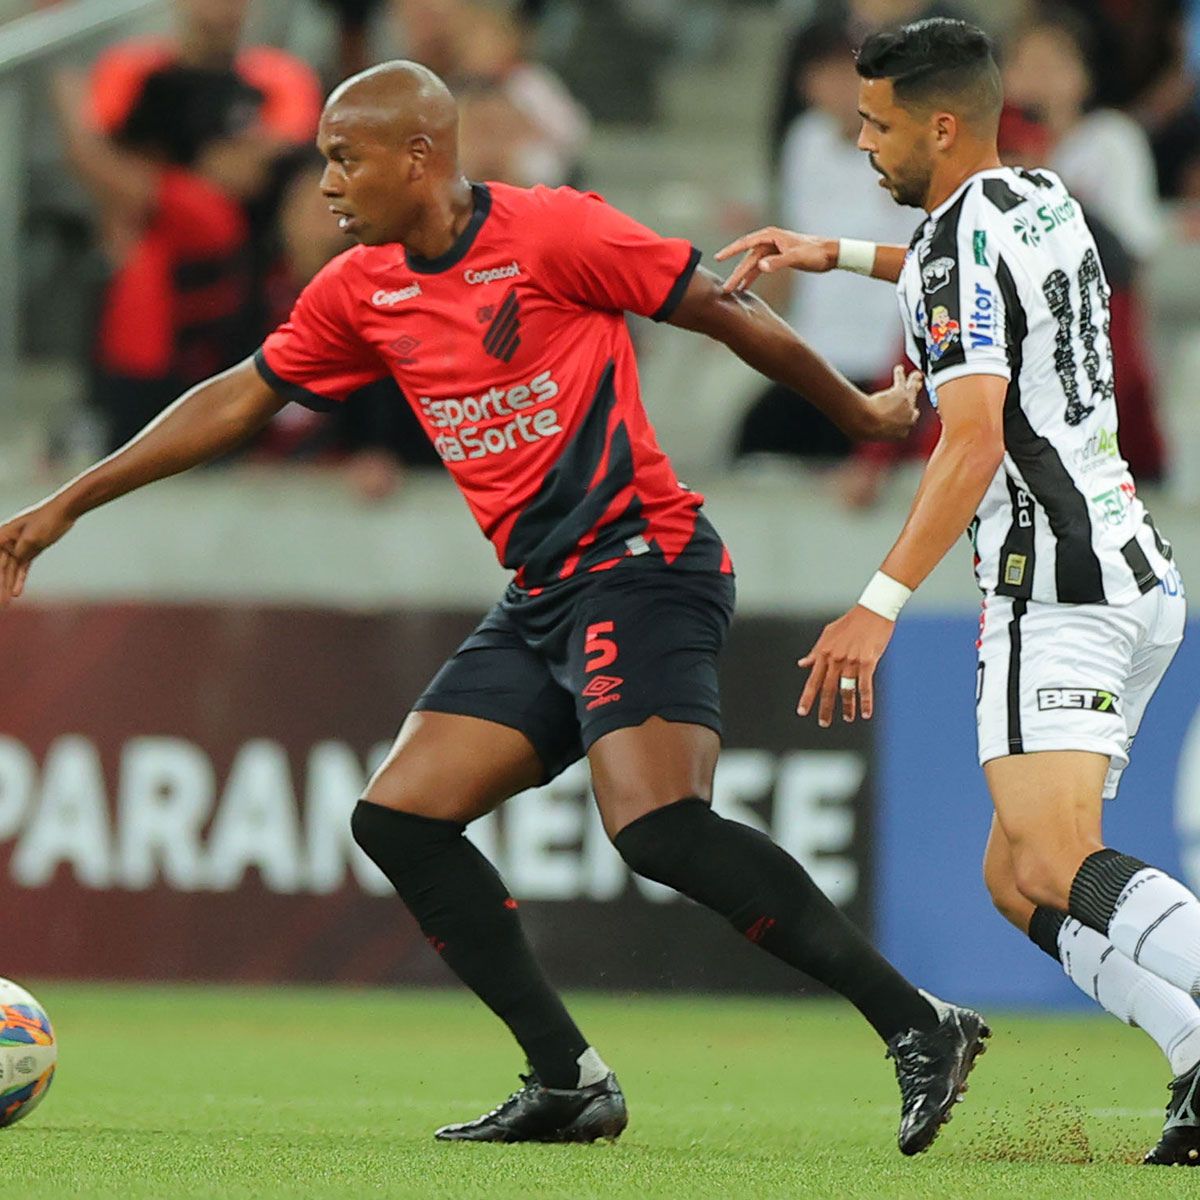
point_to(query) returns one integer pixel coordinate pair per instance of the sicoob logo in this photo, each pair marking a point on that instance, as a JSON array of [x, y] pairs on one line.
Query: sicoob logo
[[461, 418]]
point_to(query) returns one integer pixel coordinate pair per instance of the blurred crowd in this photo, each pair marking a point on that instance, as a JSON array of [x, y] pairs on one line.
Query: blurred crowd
[[196, 151], [1104, 92]]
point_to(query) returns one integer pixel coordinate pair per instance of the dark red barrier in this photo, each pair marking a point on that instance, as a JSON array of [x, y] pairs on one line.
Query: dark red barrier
[[175, 784]]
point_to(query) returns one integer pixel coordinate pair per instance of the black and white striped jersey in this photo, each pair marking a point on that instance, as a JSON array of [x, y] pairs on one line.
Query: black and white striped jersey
[[1003, 279]]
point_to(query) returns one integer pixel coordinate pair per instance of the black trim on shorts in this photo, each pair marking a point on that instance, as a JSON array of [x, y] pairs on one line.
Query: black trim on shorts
[[1144, 575], [1016, 744], [667, 308]]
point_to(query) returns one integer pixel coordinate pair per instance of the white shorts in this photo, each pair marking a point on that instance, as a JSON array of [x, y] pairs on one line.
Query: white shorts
[[1073, 676]]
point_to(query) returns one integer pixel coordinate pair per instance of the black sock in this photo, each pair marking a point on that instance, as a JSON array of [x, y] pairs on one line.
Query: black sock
[[468, 917], [1043, 930], [770, 898], [1098, 885]]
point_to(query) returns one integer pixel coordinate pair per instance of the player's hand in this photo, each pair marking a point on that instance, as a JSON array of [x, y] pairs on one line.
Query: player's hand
[[772, 249], [848, 649], [23, 538], [893, 412]]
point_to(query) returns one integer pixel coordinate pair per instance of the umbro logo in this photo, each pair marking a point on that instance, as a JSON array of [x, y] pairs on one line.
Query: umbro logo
[[602, 689], [403, 348]]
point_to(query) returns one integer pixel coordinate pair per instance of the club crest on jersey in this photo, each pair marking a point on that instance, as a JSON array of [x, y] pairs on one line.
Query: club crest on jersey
[[944, 332], [503, 335], [936, 274]]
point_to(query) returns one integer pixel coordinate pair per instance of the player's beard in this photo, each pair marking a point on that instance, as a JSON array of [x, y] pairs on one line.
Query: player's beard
[[909, 183]]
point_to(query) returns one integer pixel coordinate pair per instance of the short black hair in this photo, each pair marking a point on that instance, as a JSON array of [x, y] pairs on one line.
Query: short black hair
[[934, 61]]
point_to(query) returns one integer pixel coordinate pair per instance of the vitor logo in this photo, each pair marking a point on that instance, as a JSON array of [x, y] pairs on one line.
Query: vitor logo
[[492, 274], [1093, 699], [981, 326], [385, 299], [1027, 231], [936, 274], [464, 416]]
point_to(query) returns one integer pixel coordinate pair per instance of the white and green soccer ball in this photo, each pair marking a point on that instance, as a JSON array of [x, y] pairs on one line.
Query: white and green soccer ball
[[28, 1053]]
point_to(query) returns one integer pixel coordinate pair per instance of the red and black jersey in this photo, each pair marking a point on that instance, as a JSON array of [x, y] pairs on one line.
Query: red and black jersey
[[513, 350]]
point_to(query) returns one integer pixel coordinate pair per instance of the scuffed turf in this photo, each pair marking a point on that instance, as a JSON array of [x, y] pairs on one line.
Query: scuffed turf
[[189, 1091]]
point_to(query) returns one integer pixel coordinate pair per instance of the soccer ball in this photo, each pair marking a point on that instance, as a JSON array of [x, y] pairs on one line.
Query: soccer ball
[[27, 1053]]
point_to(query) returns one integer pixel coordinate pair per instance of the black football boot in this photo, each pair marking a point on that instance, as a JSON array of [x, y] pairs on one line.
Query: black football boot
[[1179, 1145], [541, 1114], [932, 1068]]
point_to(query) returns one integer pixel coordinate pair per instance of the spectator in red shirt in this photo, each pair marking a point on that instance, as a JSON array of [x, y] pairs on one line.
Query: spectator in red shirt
[[172, 189], [208, 37]]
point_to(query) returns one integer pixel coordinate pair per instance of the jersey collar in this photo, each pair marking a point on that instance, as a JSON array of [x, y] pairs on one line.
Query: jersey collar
[[462, 244], [948, 203]]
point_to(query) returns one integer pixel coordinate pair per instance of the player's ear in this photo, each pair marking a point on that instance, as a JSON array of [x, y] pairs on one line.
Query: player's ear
[[420, 148], [945, 130]]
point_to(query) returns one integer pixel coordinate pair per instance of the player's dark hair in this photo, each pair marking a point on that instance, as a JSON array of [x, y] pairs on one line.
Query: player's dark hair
[[934, 62]]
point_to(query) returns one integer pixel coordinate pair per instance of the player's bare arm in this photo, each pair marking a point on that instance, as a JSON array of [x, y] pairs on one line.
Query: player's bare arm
[[209, 420], [773, 249], [956, 477], [761, 338]]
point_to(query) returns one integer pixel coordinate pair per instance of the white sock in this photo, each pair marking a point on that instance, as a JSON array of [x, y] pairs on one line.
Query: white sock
[[592, 1068], [1131, 993], [1156, 922]]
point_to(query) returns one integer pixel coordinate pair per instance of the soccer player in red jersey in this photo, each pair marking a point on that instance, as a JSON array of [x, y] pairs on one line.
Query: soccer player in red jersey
[[500, 312]]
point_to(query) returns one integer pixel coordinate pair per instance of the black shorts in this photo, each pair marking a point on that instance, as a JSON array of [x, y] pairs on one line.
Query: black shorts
[[603, 651]]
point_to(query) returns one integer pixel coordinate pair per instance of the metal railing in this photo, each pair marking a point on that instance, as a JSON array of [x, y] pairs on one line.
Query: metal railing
[[26, 45]]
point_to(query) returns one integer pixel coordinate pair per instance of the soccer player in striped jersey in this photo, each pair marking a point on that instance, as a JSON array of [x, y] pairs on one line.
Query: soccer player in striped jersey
[[1006, 310]]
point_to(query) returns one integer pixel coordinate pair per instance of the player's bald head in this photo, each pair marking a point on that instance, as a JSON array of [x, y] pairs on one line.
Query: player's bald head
[[397, 100]]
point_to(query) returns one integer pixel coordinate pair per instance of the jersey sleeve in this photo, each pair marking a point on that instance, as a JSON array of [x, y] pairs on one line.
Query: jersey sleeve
[[597, 256], [962, 305], [316, 357]]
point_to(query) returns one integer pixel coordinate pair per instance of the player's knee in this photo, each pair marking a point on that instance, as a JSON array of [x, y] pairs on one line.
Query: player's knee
[[1002, 887], [390, 838], [661, 844], [1042, 876]]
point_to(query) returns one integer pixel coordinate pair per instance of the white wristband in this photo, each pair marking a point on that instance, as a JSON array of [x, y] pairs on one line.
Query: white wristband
[[885, 596], [856, 256]]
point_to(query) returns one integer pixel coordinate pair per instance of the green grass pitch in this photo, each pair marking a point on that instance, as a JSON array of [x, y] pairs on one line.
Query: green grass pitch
[[187, 1091]]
